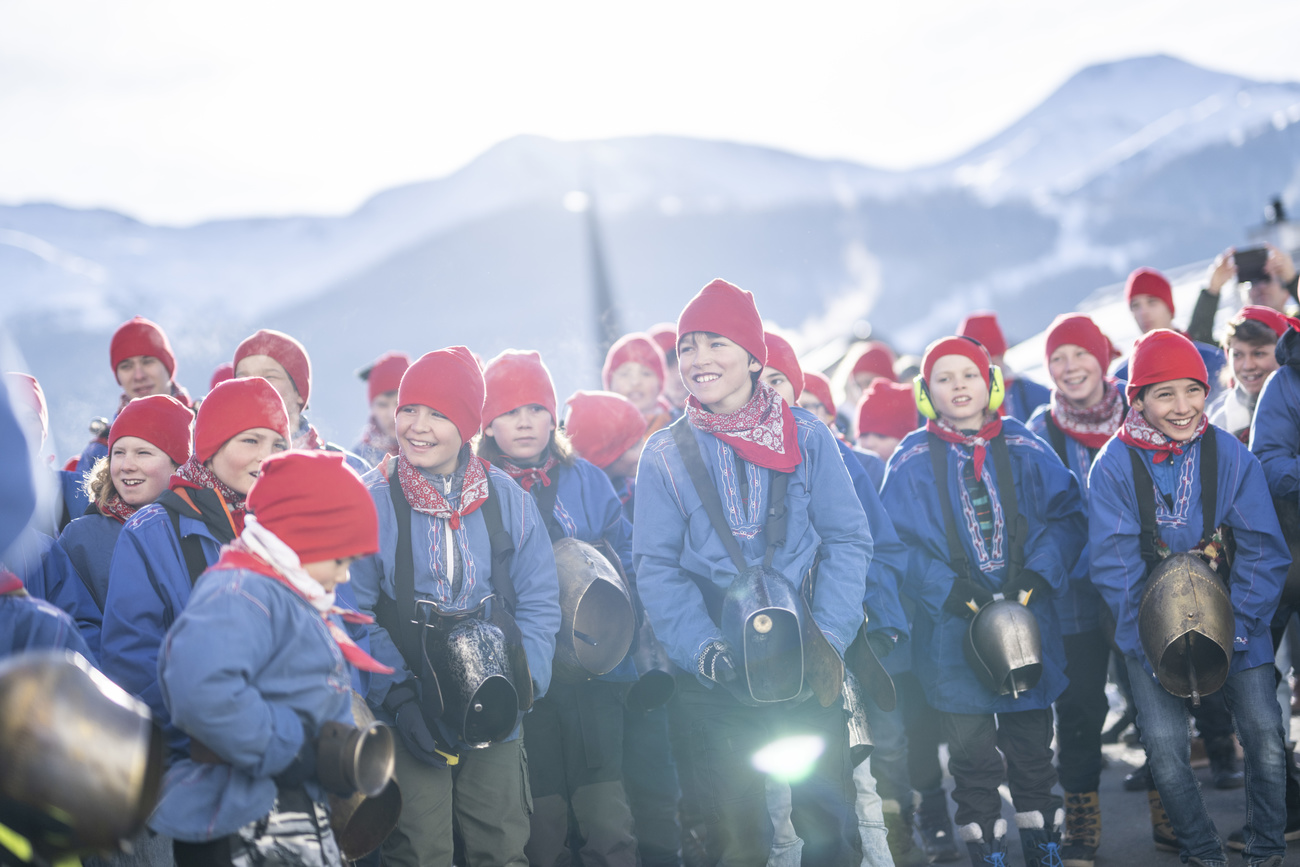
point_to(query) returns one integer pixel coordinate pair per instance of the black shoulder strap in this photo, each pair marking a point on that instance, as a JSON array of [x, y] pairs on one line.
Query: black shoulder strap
[[689, 449], [1056, 437], [1144, 492], [397, 618], [1209, 482], [545, 496], [503, 549], [1016, 526], [191, 547], [939, 464]]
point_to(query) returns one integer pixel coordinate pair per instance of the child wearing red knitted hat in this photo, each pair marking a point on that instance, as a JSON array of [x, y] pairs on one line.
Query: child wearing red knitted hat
[[164, 547], [635, 368], [254, 672], [446, 518], [576, 500], [886, 414], [1171, 483], [985, 508], [747, 437], [1250, 342], [382, 378], [1151, 299]]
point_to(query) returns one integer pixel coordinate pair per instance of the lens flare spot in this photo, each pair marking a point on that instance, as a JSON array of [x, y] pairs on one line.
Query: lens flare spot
[[790, 759]]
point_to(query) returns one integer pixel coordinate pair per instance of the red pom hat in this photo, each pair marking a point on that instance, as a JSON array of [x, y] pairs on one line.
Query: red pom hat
[[139, 336], [1278, 322], [665, 337], [1149, 281], [984, 327], [956, 346], [638, 347], [316, 504], [1162, 355], [603, 425], [780, 355], [24, 387], [284, 349], [513, 379], [159, 419], [819, 387], [233, 407], [385, 374], [1080, 330], [225, 370], [448, 380], [877, 358], [721, 308], [888, 409]]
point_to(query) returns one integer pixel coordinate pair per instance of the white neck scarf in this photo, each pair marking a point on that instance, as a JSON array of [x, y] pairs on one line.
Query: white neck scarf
[[284, 560]]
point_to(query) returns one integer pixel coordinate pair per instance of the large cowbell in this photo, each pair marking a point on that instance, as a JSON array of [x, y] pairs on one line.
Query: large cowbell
[[1005, 647], [782, 653], [473, 667], [597, 621], [80, 761], [1186, 625]]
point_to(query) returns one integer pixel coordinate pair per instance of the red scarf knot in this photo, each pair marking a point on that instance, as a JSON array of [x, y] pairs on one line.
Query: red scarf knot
[[116, 508], [1138, 433], [529, 476], [762, 431], [977, 442], [424, 497]]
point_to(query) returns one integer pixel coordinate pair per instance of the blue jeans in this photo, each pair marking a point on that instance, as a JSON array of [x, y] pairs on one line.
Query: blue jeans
[[1162, 718]]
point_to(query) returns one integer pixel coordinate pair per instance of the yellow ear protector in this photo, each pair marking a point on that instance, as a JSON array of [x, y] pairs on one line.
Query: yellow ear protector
[[921, 393]]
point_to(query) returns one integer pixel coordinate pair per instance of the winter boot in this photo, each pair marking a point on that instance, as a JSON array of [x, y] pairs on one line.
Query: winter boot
[[1040, 842], [985, 852], [1162, 830], [936, 827], [1224, 767], [899, 837], [1082, 829]]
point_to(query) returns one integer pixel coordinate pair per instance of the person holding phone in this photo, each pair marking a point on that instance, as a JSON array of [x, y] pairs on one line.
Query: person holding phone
[[1265, 275]]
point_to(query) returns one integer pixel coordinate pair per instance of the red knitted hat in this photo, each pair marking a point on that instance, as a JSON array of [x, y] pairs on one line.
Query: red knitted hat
[[513, 379], [1149, 281], [24, 387], [233, 407], [1080, 330], [288, 352], [964, 346], [665, 337], [638, 347], [820, 387], [603, 425], [225, 370], [1278, 322], [1161, 355], [448, 380], [385, 374], [887, 408], [876, 358], [316, 504], [780, 355], [159, 419], [721, 308], [139, 336], [983, 326]]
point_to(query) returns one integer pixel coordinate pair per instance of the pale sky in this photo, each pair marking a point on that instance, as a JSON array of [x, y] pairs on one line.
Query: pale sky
[[177, 112]]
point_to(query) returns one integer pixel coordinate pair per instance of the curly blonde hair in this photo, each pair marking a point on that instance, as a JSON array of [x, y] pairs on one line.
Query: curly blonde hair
[[98, 482]]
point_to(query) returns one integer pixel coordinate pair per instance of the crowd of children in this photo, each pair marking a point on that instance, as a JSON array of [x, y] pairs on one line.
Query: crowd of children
[[956, 559]]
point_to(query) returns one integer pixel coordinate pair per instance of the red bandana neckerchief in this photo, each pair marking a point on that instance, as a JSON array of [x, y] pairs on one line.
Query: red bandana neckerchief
[[193, 474], [11, 584], [307, 437], [762, 431], [978, 441], [1139, 434], [116, 508], [236, 556], [529, 476], [424, 497], [372, 437], [1095, 425]]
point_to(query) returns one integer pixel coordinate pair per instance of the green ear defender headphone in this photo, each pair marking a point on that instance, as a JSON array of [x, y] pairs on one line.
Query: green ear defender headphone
[[921, 392]]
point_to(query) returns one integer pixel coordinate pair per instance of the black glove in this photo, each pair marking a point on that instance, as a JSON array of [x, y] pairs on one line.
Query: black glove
[[303, 766], [963, 592], [1027, 580], [717, 665], [411, 727], [882, 643]]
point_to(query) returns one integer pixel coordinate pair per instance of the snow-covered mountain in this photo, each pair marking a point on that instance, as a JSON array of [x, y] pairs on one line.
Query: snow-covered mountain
[[1146, 161]]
